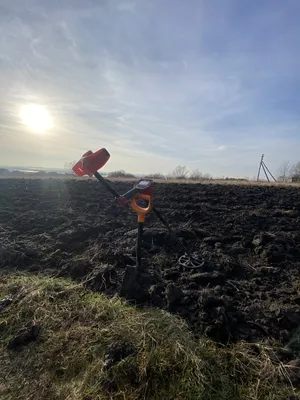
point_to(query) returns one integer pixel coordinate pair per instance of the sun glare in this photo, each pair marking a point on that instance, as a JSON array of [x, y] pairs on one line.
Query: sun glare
[[36, 117]]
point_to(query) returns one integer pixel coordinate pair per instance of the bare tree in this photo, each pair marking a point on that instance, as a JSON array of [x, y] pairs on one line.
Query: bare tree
[[68, 167], [120, 174], [180, 172], [295, 170], [196, 175], [156, 175], [285, 171], [207, 177]]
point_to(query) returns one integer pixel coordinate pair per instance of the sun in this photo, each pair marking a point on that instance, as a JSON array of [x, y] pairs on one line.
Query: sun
[[36, 117]]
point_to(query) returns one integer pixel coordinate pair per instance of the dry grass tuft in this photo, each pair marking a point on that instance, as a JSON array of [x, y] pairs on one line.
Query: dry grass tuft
[[76, 329]]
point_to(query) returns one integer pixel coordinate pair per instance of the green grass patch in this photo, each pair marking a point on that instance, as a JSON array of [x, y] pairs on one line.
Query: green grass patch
[[76, 328]]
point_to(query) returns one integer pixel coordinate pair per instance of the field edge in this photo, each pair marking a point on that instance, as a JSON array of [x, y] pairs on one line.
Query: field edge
[[84, 345]]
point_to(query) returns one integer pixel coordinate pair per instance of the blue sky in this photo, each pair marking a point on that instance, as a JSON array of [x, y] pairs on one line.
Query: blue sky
[[210, 84]]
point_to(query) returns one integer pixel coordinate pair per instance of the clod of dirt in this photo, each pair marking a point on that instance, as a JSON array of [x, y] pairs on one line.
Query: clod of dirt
[[79, 268], [162, 238], [136, 284], [293, 371], [10, 256], [211, 240], [185, 234], [208, 277], [30, 251], [156, 293], [289, 319], [237, 249], [4, 303], [116, 352], [210, 301], [132, 233], [25, 336], [284, 354], [275, 254], [67, 236], [262, 239], [103, 279], [174, 296], [294, 344], [220, 329], [3, 253], [76, 269], [296, 300], [201, 233], [154, 249]]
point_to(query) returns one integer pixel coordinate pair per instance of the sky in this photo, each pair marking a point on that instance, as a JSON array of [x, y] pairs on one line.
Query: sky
[[210, 84]]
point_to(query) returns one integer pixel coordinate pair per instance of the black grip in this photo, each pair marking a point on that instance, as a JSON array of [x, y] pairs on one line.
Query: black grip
[[139, 246]]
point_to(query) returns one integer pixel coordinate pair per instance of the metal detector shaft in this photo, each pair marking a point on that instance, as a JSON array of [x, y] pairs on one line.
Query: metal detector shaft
[[104, 182], [161, 218], [164, 221]]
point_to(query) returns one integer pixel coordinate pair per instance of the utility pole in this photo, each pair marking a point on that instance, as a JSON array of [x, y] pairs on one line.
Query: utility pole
[[270, 173], [264, 169], [262, 165]]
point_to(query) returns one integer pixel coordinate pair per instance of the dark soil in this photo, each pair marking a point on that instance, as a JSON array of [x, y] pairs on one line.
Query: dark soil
[[248, 287], [116, 352], [26, 335]]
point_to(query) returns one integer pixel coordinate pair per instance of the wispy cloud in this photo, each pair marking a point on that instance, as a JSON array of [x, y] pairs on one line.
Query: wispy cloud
[[209, 84]]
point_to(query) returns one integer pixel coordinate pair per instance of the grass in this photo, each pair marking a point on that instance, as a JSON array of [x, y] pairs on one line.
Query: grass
[[215, 181], [77, 327]]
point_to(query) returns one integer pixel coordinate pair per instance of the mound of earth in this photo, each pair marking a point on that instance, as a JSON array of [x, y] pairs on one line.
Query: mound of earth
[[247, 236]]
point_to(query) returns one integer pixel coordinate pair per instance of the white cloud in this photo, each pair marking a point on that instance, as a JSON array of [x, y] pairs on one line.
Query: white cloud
[[157, 88]]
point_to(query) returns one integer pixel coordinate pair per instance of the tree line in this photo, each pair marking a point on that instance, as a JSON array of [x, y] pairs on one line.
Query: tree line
[[287, 171], [180, 172]]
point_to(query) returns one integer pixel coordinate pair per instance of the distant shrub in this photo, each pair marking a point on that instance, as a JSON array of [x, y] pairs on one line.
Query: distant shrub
[[68, 167], [236, 179], [196, 175], [120, 174], [41, 173], [295, 178], [207, 177], [155, 176], [180, 172]]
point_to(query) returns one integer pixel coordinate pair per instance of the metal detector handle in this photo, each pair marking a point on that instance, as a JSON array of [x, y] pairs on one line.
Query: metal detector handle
[[130, 194], [143, 186], [104, 182], [141, 211], [162, 219]]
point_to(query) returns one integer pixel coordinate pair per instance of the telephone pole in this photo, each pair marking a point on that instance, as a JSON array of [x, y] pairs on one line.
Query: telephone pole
[[262, 166]]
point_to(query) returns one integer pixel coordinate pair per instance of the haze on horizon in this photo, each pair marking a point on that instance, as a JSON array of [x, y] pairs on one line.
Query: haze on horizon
[[210, 84]]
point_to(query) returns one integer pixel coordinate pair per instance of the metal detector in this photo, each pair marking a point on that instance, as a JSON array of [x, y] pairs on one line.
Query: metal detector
[[140, 199]]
